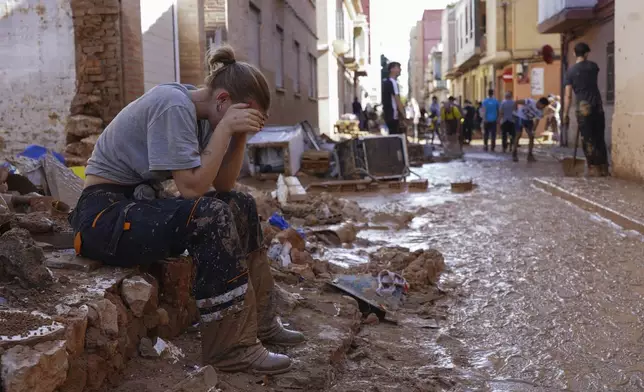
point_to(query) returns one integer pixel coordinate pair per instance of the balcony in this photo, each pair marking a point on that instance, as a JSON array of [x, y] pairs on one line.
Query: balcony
[[559, 16]]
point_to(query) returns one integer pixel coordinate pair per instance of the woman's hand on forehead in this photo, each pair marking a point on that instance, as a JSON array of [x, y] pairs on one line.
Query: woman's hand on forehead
[[253, 105]]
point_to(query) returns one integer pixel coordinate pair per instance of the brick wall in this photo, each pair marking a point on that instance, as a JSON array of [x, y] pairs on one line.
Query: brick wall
[[192, 41], [133, 86], [99, 83], [297, 18]]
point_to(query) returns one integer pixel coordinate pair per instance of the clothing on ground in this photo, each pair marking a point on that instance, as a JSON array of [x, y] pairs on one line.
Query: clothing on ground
[[157, 133], [491, 107]]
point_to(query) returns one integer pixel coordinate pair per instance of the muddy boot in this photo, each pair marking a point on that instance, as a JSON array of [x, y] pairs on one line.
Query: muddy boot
[[515, 156], [531, 158], [230, 344], [603, 169], [593, 171], [270, 329]]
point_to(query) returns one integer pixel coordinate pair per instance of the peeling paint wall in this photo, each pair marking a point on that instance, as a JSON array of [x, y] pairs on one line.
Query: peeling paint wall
[[628, 137], [37, 73]]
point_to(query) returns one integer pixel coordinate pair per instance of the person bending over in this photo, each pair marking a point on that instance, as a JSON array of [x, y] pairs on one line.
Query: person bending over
[[527, 118], [196, 137]]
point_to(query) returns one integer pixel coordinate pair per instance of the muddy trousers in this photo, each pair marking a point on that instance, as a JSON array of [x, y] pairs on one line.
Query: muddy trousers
[[489, 133], [591, 130], [507, 134], [221, 231]]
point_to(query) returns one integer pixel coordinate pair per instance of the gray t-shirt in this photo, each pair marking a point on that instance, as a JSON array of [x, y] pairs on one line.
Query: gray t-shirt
[[150, 137], [507, 107]]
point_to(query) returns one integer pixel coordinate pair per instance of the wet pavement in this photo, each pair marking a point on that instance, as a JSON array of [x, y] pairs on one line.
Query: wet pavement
[[544, 296]]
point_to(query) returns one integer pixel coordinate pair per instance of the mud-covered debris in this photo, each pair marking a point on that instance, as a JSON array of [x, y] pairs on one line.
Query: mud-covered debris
[[301, 257], [36, 222], [323, 208], [303, 270], [203, 380], [20, 258], [371, 319], [421, 268], [425, 270], [292, 236]]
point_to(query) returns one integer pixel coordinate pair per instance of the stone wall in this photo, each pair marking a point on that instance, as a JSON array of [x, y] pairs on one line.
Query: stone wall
[[37, 73], [116, 318]]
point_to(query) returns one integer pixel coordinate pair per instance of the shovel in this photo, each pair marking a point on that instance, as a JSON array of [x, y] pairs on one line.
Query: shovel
[[570, 166]]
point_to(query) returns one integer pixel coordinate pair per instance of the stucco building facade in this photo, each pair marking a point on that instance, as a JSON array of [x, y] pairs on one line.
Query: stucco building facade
[[593, 22]]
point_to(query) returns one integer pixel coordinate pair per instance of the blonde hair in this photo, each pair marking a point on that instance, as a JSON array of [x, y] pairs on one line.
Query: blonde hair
[[241, 80]]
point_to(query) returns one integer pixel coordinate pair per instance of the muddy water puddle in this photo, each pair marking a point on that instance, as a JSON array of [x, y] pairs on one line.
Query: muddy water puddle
[[543, 296]]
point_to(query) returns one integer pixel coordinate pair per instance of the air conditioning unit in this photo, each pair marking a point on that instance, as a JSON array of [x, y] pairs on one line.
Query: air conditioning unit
[[381, 157]]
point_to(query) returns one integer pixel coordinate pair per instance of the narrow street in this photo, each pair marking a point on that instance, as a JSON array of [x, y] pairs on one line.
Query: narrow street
[[544, 296]]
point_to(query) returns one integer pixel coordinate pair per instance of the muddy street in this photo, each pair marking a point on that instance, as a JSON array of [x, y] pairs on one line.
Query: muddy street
[[543, 295]]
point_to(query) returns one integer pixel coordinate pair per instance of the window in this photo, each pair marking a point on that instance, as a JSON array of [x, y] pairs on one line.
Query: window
[[472, 19], [339, 21], [279, 76], [255, 35], [298, 75], [467, 22], [610, 72], [313, 76]]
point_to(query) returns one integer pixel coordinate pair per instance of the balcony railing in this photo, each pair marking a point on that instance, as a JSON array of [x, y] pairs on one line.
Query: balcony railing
[[550, 8]]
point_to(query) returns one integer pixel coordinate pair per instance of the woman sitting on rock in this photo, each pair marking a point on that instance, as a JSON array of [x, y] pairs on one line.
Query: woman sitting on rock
[[196, 137]]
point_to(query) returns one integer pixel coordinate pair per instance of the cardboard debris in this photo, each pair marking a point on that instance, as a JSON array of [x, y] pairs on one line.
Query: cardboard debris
[[62, 183]]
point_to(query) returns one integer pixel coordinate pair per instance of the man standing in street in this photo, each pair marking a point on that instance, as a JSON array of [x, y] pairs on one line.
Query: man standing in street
[[491, 118], [391, 104], [451, 123], [582, 79], [469, 114], [528, 116], [507, 122], [357, 111]]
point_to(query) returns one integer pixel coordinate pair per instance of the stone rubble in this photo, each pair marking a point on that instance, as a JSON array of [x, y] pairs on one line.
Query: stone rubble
[[136, 292], [42, 368]]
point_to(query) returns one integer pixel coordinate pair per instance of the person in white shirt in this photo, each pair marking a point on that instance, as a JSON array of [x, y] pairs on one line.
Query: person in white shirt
[[528, 115]]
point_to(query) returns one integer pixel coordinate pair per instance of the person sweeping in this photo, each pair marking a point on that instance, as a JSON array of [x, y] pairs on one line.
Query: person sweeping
[[196, 137]]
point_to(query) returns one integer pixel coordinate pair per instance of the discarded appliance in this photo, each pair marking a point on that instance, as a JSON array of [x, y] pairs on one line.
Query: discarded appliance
[[379, 157], [276, 150]]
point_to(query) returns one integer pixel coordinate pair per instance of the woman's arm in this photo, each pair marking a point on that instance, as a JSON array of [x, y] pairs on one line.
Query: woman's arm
[[237, 122], [231, 165], [193, 183]]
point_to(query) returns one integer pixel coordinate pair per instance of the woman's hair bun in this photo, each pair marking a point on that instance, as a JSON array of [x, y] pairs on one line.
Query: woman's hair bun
[[222, 56]]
